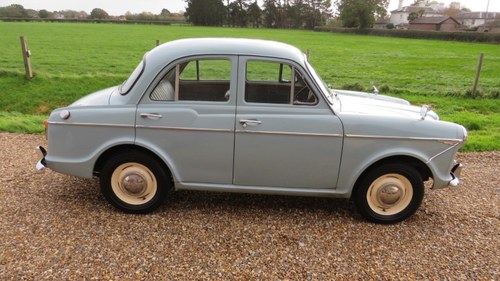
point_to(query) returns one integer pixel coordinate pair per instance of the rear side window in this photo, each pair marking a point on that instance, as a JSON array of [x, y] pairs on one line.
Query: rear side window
[[195, 80], [127, 85]]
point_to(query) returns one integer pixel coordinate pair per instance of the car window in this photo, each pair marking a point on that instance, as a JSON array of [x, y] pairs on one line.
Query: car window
[[268, 71], [127, 85], [195, 80], [276, 82]]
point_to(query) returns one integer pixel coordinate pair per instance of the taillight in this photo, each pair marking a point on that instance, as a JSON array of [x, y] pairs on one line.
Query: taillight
[[46, 125]]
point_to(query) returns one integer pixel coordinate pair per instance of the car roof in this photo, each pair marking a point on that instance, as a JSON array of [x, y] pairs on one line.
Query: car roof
[[222, 46]]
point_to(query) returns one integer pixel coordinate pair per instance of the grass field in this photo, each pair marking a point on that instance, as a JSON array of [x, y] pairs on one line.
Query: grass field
[[72, 60]]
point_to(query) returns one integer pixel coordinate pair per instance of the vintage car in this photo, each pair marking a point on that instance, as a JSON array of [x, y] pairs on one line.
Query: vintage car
[[241, 115]]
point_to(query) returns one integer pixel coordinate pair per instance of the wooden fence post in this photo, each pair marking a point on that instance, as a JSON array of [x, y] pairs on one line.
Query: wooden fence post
[[157, 42], [478, 72], [26, 57]]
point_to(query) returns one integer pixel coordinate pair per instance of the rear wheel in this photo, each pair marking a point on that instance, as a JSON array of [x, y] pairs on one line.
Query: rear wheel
[[134, 182], [389, 193]]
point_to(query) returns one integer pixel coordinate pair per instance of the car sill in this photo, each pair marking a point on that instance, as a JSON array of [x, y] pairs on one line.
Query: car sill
[[315, 192]]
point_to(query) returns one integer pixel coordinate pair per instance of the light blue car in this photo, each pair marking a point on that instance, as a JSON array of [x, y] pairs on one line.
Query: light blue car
[[240, 115]]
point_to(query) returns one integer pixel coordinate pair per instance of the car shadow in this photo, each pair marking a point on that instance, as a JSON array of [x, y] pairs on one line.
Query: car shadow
[[85, 194]]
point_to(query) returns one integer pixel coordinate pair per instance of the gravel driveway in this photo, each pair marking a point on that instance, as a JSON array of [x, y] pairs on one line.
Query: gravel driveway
[[59, 227]]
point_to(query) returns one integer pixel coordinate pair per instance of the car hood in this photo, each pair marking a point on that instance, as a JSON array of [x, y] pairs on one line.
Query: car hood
[[371, 104], [98, 98]]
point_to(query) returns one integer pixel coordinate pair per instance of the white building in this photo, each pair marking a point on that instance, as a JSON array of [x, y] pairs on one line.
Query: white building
[[426, 8]]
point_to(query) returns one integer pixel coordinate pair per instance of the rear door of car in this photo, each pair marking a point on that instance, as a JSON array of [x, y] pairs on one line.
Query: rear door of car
[[188, 118], [286, 135]]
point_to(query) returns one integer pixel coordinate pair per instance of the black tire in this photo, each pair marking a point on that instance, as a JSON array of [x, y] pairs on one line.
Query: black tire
[[389, 193], [134, 182]]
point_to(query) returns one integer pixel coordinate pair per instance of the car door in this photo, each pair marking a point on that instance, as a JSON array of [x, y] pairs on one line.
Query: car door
[[286, 135], [188, 118]]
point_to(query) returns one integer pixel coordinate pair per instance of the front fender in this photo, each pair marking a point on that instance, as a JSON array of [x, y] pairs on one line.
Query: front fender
[[361, 153]]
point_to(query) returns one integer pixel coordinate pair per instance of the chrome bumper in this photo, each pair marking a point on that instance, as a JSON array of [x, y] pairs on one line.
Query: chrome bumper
[[41, 164], [455, 173]]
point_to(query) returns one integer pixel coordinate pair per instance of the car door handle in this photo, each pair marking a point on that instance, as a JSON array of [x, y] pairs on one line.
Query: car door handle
[[151, 115], [249, 122]]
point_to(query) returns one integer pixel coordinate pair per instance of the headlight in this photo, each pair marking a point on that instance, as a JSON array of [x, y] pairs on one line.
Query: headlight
[[466, 135]]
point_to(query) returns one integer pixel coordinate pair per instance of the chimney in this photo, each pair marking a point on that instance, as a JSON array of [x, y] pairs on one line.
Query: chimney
[[400, 5]]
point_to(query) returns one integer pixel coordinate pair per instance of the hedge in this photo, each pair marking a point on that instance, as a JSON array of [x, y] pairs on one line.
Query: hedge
[[420, 34]]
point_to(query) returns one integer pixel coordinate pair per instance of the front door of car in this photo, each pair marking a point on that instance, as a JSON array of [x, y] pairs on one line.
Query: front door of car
[[188, 117], [286, 135]]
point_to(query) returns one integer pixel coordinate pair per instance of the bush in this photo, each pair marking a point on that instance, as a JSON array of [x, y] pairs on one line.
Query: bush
[[420, 34]]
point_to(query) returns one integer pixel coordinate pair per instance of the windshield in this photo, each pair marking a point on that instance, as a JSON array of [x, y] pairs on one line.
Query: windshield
[[127, 85], [324, 87]]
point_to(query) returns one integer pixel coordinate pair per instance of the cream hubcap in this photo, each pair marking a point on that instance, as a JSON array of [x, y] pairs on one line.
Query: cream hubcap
[[134, 183], [389, 194]]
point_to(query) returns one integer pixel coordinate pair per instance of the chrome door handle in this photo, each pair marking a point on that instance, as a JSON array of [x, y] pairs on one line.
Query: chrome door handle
[[249, 122], [151, 115]]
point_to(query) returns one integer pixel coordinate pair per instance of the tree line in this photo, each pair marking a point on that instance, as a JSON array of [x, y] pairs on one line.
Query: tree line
[[296, 14], [18, 11], [245, 13]]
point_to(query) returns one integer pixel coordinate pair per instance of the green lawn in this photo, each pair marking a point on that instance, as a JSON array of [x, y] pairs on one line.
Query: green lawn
[[72, 60]]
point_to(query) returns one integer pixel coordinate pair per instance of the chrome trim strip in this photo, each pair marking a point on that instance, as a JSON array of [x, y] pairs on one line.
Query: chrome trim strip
[[442, 152], [403, 138], [91, 124], [316, 192], [185, 129], [288, 133]]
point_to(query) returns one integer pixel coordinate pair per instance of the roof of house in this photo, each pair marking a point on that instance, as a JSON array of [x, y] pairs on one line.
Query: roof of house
[[432, 20]]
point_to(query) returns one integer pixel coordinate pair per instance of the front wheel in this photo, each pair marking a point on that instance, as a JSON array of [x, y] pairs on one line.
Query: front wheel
[[389, 193], [134, 182]]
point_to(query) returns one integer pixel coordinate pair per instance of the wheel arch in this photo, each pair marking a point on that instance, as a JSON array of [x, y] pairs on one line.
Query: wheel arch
[[101, 160], [424, 171]]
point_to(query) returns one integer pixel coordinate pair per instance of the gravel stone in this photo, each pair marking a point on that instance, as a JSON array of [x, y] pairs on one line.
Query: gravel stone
[[60, 227]]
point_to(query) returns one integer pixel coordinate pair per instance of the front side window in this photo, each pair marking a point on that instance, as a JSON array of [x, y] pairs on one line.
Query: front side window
[[275, 82], [195, 80]]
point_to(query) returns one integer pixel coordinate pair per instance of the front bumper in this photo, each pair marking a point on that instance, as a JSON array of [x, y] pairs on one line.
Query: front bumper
[[455, 173], [41, 164]]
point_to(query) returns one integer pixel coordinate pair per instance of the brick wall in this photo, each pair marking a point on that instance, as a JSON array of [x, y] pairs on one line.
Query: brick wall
[[422, 26]]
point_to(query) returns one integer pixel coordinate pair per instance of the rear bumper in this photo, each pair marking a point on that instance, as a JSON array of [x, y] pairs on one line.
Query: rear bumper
[[456, 171], [41, 164]]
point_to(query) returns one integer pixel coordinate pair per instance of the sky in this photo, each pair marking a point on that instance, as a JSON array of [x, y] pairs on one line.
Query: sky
[[120, 7]]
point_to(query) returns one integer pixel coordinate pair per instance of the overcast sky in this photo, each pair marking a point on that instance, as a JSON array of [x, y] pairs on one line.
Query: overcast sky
[[120, 7]]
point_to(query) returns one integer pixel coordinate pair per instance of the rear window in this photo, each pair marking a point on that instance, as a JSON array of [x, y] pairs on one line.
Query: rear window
[[127, 85]]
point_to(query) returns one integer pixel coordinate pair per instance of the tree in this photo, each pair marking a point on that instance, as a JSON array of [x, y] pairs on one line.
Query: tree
[[273, 14], [412, 16], [98, 13], [237, 13], [72, 14], [43, 14], [205, 12], [165, 13], [452, 12], [13, 11], [254, 14], [361, 13]]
